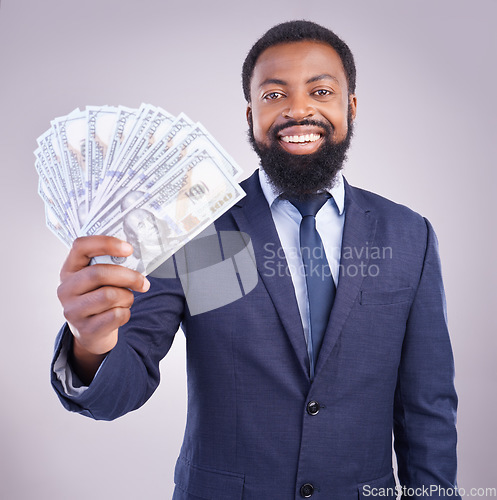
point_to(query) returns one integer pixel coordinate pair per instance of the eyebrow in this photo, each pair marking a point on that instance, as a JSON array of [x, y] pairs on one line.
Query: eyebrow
[[324, 76], [277, 81]]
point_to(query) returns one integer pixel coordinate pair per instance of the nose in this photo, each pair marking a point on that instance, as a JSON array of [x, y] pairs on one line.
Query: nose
[[299, 107]]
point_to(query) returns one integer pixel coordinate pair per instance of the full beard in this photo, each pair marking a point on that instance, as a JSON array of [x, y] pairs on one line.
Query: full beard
[[299, 175]]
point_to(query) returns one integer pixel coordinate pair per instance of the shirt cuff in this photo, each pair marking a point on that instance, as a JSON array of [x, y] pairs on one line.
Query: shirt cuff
[[71, 383]]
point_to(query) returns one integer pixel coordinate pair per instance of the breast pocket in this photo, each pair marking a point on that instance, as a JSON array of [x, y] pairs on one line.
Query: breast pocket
[[385, 297]]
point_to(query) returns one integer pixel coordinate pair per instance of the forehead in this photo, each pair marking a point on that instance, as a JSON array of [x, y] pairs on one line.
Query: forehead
[[298, 61]]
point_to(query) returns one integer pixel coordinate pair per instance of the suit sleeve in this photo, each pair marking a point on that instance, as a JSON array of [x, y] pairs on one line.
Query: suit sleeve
[[130, 372], [425, 399]]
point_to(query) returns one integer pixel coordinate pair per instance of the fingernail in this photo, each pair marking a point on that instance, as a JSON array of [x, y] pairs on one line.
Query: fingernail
[[126, 247], [146, 285]]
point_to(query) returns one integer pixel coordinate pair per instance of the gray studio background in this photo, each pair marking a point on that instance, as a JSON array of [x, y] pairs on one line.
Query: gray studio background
[[426, 135]]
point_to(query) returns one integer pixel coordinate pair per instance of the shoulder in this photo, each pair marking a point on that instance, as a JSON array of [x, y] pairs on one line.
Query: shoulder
[[380, 206], [394, 219]]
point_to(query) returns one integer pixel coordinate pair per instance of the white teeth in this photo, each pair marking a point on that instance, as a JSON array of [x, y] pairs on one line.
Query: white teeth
[[301, 138]]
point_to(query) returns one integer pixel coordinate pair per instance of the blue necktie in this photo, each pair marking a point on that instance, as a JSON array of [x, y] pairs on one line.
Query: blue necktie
[[319, 281]]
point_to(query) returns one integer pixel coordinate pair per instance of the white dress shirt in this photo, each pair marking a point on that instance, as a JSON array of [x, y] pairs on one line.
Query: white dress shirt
[[329, 224]]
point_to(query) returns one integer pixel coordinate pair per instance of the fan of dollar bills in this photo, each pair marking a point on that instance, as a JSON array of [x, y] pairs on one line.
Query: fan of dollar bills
[[141, 175]]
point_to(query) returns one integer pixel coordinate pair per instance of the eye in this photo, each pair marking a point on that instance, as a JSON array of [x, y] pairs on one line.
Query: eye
[[322, 92], [272, 96]]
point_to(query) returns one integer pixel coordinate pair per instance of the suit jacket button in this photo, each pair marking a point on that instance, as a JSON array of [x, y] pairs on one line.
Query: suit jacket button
[[306, 490], [313, 408]]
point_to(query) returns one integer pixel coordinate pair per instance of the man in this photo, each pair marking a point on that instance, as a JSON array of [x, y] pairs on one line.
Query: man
[[286, 399]]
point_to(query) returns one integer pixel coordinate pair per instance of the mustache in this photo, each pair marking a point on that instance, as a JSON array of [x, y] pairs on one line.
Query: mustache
[[327, 127]]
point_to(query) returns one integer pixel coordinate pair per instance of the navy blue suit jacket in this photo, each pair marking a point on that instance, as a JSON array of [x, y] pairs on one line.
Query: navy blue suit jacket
[[385, 363]]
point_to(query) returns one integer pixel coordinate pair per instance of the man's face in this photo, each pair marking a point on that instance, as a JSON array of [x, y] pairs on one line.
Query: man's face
[[141, 231], [299, 114]]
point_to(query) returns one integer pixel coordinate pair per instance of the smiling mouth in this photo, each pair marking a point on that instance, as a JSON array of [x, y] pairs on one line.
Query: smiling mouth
[[306, 138]]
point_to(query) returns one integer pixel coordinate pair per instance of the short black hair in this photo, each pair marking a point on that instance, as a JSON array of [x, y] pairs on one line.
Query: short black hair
[[298, 31]]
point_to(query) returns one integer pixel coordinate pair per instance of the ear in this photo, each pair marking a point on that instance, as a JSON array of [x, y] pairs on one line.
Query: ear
[[248, 114], [353, 105]]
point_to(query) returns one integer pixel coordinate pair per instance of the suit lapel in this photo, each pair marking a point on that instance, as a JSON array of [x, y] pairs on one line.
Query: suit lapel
[[253, 216], [358, 234]]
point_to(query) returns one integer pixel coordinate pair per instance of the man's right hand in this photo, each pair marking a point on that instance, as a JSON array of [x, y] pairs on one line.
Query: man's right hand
[[96, 299]]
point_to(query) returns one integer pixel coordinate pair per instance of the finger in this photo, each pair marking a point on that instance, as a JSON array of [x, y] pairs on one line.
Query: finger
[[93, 277], [98, 333], [105, 322], [95, 302], [87, 247]]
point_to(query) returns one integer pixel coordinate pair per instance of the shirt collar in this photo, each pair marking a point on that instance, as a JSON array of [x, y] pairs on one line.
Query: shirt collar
[[337, 191]]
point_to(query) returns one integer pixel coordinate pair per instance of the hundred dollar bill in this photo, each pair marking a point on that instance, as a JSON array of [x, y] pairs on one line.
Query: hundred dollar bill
[[199, 138], [51, 161], [57, 226], [71, 131], [50, 192], [52, 203], [125, 124], [101, 125], [134, 138], [159, 222]]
